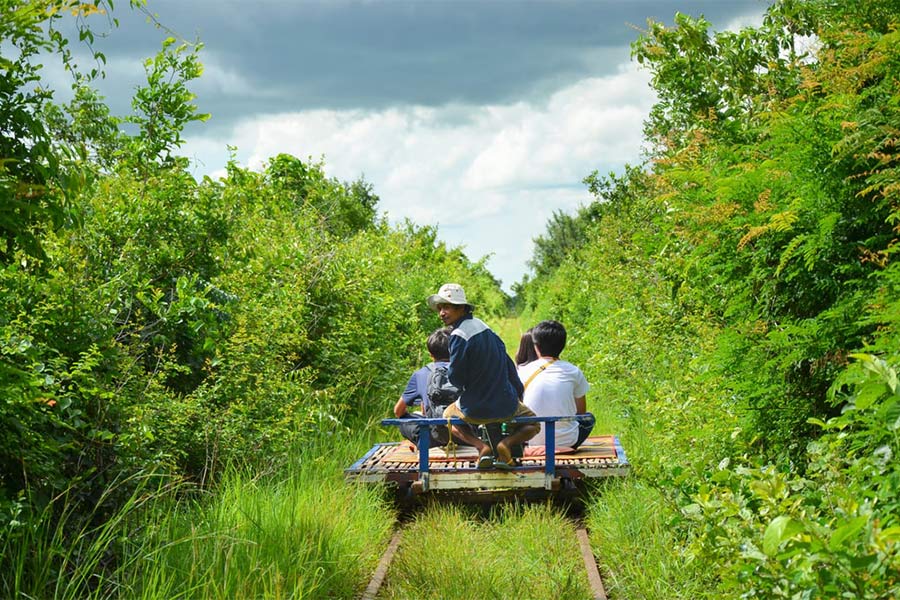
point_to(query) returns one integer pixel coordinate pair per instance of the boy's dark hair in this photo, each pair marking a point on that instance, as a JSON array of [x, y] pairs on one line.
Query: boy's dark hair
[[525, 354], [438, 343], [549, 337]]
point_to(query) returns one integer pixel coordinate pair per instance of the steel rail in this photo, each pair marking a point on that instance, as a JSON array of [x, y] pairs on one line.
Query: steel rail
[[381, 570], [590, 564]]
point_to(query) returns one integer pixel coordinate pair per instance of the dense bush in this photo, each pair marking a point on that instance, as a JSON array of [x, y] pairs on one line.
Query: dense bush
[[157, 324], [169, 321], [724, 288]]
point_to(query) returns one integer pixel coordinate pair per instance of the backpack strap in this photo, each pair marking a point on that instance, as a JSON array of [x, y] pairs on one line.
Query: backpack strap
[[423, 394], [538, 372]]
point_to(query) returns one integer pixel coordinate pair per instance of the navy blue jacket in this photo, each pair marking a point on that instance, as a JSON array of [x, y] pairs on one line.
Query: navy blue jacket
[[483, 371]]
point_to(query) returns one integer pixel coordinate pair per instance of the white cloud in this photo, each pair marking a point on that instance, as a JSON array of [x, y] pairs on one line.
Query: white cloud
[[489, 181], [752, 19]]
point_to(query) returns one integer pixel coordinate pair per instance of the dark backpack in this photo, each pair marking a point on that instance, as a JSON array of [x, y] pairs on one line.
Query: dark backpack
[[440, 391]]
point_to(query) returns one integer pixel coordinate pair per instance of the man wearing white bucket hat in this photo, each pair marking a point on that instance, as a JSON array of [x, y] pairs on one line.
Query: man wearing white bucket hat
[[490, 388]]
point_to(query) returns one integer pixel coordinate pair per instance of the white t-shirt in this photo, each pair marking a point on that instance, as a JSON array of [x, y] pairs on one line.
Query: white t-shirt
[[552, 393]]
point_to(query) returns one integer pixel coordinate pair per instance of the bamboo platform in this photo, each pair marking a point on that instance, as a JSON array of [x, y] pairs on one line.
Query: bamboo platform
[[399, 463]]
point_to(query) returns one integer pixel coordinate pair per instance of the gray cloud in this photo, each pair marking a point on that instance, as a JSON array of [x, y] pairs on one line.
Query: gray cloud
[[375, 54], [489, 110]]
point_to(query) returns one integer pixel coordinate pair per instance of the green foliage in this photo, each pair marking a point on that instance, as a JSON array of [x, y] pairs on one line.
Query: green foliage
[[344, 208], [722, 292], [776, 232], [834, 530], [84, 132], [719, 82], [564, 235], [180, 327], [220, 344], [165, 105], [29, 169], [44, 161]]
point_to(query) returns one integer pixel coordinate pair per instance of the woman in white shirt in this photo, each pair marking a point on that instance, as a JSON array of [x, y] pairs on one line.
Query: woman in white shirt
[[555, 387]]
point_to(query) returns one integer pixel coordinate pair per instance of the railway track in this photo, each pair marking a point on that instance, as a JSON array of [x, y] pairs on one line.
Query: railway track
[[598, 591], [418, 474]]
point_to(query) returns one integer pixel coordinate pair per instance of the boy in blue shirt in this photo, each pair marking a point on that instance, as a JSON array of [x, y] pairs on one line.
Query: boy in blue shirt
[[416, 391]]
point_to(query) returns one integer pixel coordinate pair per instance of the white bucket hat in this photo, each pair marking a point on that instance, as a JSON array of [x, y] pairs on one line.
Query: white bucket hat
[[450, 293]]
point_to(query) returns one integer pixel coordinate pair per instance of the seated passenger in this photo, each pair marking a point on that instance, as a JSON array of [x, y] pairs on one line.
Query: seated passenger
[[417, 392], [525, 354], [554, 387], [490, 390]]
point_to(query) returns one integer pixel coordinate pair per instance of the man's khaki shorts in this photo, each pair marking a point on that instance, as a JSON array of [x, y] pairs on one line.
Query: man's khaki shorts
[[521, 411]]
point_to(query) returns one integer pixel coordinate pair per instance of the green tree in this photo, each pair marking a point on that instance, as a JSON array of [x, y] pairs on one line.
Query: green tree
[[36, 178], [726, 288], [344, 208], [720, 82], [564, 234], [164, 106]]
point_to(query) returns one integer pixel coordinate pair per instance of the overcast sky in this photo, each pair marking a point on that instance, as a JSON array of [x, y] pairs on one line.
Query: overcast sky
[[479, 117]]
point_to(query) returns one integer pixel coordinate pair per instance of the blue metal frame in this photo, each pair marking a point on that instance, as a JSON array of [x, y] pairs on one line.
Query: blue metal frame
[[424, 425], [358, 464], [620, 452]]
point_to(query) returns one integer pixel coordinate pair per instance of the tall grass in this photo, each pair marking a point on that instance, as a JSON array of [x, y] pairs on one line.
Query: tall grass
[[524, 552], [299, 533], [68, 552], [305, 534], [632, 520], [639, 558]]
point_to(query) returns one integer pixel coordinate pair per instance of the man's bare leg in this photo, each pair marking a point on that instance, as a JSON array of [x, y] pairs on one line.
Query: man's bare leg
[[472, 440], [522, 435]]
